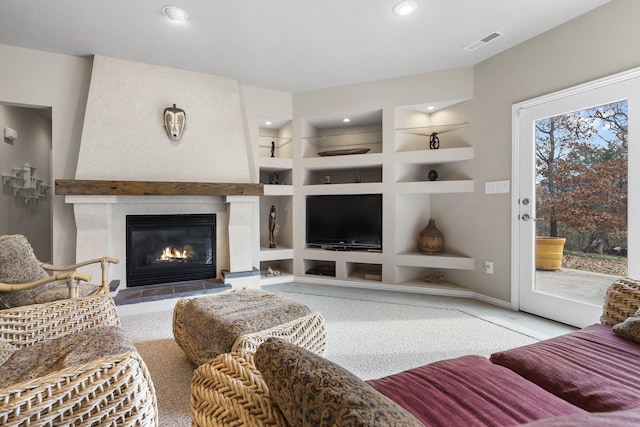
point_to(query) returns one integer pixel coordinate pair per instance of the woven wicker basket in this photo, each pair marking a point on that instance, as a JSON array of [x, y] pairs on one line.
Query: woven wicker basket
[[112, 390], [229, 392], [622, 300]]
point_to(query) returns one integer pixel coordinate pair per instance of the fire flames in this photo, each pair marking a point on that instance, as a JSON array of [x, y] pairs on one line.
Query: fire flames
[[169, 254]]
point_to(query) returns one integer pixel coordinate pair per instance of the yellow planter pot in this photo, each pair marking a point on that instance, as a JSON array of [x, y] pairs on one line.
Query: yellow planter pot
[[549, 252]]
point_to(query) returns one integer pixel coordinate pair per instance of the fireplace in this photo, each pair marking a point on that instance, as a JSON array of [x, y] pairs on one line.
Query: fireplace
[[170, 248]]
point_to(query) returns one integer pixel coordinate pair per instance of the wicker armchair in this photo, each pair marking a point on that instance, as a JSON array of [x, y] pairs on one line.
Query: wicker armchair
[[110, 390], [24, 280]]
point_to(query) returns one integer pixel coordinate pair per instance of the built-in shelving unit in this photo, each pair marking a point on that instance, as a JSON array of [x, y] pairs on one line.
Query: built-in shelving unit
[[275, 169], [328, 156]]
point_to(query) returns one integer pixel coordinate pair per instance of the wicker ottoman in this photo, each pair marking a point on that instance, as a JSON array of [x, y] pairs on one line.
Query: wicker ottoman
[[240, 320]]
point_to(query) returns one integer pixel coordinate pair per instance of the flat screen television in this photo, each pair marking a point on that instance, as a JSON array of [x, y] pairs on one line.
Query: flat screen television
[[344, 222]]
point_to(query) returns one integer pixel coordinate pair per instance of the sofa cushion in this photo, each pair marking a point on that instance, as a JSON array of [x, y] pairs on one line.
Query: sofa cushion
[[48, 356], [6, 350], [628, 418], [630, 328], [18, 264], [592, 368], [312, 391], [470, 390]]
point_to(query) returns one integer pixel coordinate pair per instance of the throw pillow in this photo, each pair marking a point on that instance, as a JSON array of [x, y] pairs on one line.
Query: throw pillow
[[18, 264], [630, 328], [312, 391], [45, 357], [6, 350]]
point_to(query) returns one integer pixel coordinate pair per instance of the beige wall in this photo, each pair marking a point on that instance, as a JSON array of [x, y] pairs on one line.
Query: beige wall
[[35, 78], [594, 45]]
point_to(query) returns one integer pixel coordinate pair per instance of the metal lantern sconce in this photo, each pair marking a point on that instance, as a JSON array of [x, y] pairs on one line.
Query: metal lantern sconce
[[175, 122]]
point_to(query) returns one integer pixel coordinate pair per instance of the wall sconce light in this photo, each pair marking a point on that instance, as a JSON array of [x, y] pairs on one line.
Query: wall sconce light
[[175, 122]]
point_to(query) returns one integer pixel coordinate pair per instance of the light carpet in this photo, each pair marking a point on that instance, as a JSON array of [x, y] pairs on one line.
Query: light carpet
[[370, 338]]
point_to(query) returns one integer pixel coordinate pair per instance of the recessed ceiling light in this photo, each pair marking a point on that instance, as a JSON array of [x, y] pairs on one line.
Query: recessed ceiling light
[[406, 7], [267, 123], [175, 14], [431, 108], [346, 120]]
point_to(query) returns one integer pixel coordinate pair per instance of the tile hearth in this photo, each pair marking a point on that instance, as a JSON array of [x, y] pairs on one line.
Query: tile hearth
[[169, 290]]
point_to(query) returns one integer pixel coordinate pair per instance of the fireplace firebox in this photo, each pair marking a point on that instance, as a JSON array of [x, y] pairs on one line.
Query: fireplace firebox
[[170, 248]]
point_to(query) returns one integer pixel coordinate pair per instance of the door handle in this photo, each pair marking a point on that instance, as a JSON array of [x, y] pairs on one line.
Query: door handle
[[527, 217]]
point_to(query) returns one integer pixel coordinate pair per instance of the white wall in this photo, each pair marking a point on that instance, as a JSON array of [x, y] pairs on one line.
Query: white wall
[[33, 146], [124, 137]]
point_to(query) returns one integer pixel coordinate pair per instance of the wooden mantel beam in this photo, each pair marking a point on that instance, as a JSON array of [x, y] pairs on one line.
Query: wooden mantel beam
[[75, 187]]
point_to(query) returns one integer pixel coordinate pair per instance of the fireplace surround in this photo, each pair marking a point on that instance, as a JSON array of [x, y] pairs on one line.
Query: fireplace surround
[[100, 212]]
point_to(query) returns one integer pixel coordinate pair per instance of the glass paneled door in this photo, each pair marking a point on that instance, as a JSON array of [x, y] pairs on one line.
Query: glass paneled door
[[571, 197]]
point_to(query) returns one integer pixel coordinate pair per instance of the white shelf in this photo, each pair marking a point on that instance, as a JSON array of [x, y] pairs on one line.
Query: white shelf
[[274, 280], [359, 188], [365, 257], [279, 141], [275, 164], [444, 260], [343, 162], [274, 254], [435, 187], [278, 190], [429, 130], [442, 155]]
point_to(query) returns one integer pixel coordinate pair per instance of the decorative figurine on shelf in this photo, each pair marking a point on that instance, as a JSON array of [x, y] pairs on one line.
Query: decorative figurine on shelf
[[430, 239], [273, 148], [272, 273], [356, 178], [273, 227], [175, 122], [434, 141], [432, 175], [273, 178], [434, 278]]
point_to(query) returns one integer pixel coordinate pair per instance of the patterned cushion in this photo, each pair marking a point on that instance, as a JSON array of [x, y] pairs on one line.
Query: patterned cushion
[[6, 350], [18, 264], [70, 350], [313, 391], [216, 321], [630, 328]]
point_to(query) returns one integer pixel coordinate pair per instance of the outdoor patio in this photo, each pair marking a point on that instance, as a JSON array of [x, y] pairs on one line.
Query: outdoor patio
[[577, 285]]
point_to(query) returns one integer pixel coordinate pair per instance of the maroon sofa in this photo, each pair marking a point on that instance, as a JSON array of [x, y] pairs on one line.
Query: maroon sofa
[[592, 370], [590, 377]]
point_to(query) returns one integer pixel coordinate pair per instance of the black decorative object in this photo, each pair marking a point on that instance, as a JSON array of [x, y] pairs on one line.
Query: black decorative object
[[273, 178], [272, 227], [434, 141], [273, 148], [432, 175]]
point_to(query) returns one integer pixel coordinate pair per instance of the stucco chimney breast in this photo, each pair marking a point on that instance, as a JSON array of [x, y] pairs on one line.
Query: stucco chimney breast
[[123, 136], [124, 139]]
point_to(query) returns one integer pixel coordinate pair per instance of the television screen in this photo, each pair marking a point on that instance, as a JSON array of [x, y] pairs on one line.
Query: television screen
[[347, 222]]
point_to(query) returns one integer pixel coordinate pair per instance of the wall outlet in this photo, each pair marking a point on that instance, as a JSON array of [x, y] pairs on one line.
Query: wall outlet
[[488, 267]]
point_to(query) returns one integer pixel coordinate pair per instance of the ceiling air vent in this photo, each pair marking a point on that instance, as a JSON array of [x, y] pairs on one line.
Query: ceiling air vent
[[479, 43]]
